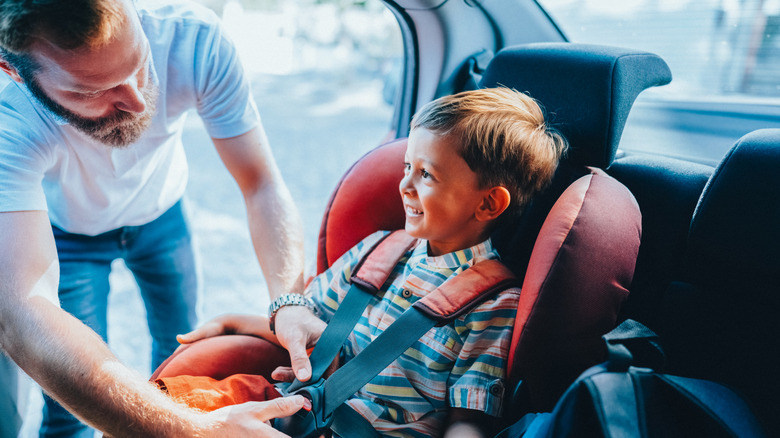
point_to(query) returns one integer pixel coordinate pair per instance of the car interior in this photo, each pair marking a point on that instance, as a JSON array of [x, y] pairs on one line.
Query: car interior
[[686, 248], [705, 277]]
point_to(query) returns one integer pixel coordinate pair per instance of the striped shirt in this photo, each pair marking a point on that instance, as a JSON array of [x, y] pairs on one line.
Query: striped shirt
[[460, 365]]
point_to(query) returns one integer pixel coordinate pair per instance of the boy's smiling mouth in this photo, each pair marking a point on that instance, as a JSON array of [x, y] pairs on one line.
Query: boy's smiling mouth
[[410, 211]]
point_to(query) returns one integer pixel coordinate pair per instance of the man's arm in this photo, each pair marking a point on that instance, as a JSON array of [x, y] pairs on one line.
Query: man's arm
[[274, 222], [277, 236], [73, 365]]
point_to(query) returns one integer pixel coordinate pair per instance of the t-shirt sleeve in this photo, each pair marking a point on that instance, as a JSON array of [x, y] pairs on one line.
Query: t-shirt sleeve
[[477, 380], [224, 97], [21, 172]]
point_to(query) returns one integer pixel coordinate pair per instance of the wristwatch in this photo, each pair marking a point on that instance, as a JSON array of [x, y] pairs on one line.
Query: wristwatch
[[288, 300]]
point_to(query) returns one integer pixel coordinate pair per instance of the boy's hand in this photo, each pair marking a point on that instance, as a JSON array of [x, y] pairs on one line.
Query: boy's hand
[[467, 423], [297, 328], [464, 430]]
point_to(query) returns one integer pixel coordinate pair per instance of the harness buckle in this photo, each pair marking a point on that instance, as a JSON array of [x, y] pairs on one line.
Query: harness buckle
[[307, 424]]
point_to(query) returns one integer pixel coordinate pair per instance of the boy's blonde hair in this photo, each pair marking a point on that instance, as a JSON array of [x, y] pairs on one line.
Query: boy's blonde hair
[[503, 138]]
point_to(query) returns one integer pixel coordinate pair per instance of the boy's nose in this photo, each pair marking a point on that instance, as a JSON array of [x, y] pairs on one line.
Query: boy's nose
[[404, 186]]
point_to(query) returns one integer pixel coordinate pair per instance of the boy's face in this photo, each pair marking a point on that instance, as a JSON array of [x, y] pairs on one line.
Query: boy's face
[[441, 194]]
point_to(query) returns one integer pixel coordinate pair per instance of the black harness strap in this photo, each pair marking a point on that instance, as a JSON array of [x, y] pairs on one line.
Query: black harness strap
[[367, 279]]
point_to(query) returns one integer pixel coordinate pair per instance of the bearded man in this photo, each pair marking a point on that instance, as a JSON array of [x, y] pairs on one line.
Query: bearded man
[[93, 101]]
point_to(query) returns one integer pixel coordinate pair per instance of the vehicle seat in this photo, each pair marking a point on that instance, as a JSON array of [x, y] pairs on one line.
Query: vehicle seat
[[365, 200], [720, 321], [587, 92], [667, 190]]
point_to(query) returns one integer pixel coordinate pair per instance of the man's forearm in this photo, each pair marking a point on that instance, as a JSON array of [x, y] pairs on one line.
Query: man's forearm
[[74, 366], [277, 236], [274, 222]]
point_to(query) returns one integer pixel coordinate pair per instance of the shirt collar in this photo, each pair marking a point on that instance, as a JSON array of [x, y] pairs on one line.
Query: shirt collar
[[457, 259]]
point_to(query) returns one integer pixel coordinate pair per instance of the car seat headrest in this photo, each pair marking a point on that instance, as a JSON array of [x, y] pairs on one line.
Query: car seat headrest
[[364, 201], [734, 235], [587, 90], [577, 280]]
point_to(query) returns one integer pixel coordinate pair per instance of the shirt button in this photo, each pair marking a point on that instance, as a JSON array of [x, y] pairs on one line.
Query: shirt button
[[406, 293], [497, 389]]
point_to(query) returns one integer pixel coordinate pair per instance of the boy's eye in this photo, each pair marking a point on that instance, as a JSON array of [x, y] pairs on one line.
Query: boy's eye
[[424, 173], [407, 168]]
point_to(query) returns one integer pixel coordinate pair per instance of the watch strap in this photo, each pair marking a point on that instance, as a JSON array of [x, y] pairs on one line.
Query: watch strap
[[284, 301]]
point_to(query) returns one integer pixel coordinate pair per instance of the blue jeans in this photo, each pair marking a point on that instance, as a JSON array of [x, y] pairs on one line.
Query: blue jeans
[[12, 398], [161, 258]]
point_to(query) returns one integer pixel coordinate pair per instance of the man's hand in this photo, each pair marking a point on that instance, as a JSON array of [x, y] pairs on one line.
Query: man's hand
[[231, 324], [297, 329], [252, 418]]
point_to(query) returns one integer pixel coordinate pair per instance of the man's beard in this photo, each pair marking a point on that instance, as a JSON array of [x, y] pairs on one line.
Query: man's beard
[[117, 130]]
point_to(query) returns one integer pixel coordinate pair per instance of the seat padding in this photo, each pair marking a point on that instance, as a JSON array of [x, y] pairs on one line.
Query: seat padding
[[365, 200], [587, 90], [219, 357], [577, 280]]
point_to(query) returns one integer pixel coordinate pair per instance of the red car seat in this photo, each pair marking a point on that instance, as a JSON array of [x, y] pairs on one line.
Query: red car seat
[[587, 92]]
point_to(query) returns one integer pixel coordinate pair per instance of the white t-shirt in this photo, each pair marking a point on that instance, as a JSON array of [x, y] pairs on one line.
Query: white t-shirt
[[90, 188]]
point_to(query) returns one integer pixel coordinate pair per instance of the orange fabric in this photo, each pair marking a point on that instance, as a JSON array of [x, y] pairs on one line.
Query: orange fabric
[[209, 394]]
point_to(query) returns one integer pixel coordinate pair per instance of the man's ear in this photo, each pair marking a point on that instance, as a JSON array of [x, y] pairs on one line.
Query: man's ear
[[10, 71], [494, 203]]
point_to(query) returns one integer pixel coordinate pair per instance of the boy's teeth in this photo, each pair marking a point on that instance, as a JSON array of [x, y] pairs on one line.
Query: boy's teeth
[[412, 211]]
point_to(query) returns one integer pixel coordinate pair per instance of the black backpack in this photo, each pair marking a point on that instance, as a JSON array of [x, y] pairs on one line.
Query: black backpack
[[621, 400]]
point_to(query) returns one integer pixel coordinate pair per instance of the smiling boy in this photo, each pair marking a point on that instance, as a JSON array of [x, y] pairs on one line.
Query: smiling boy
[[471, 158]]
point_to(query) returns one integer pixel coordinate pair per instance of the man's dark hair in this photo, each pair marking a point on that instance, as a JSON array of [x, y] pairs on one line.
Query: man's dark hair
[[69, 25]]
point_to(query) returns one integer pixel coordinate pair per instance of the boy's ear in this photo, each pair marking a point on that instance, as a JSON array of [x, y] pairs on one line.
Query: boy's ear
[[494, 203], [10, 71]]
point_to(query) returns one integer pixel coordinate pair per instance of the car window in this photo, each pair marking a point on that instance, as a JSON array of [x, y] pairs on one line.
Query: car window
[[718, 48], [725, 62]]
